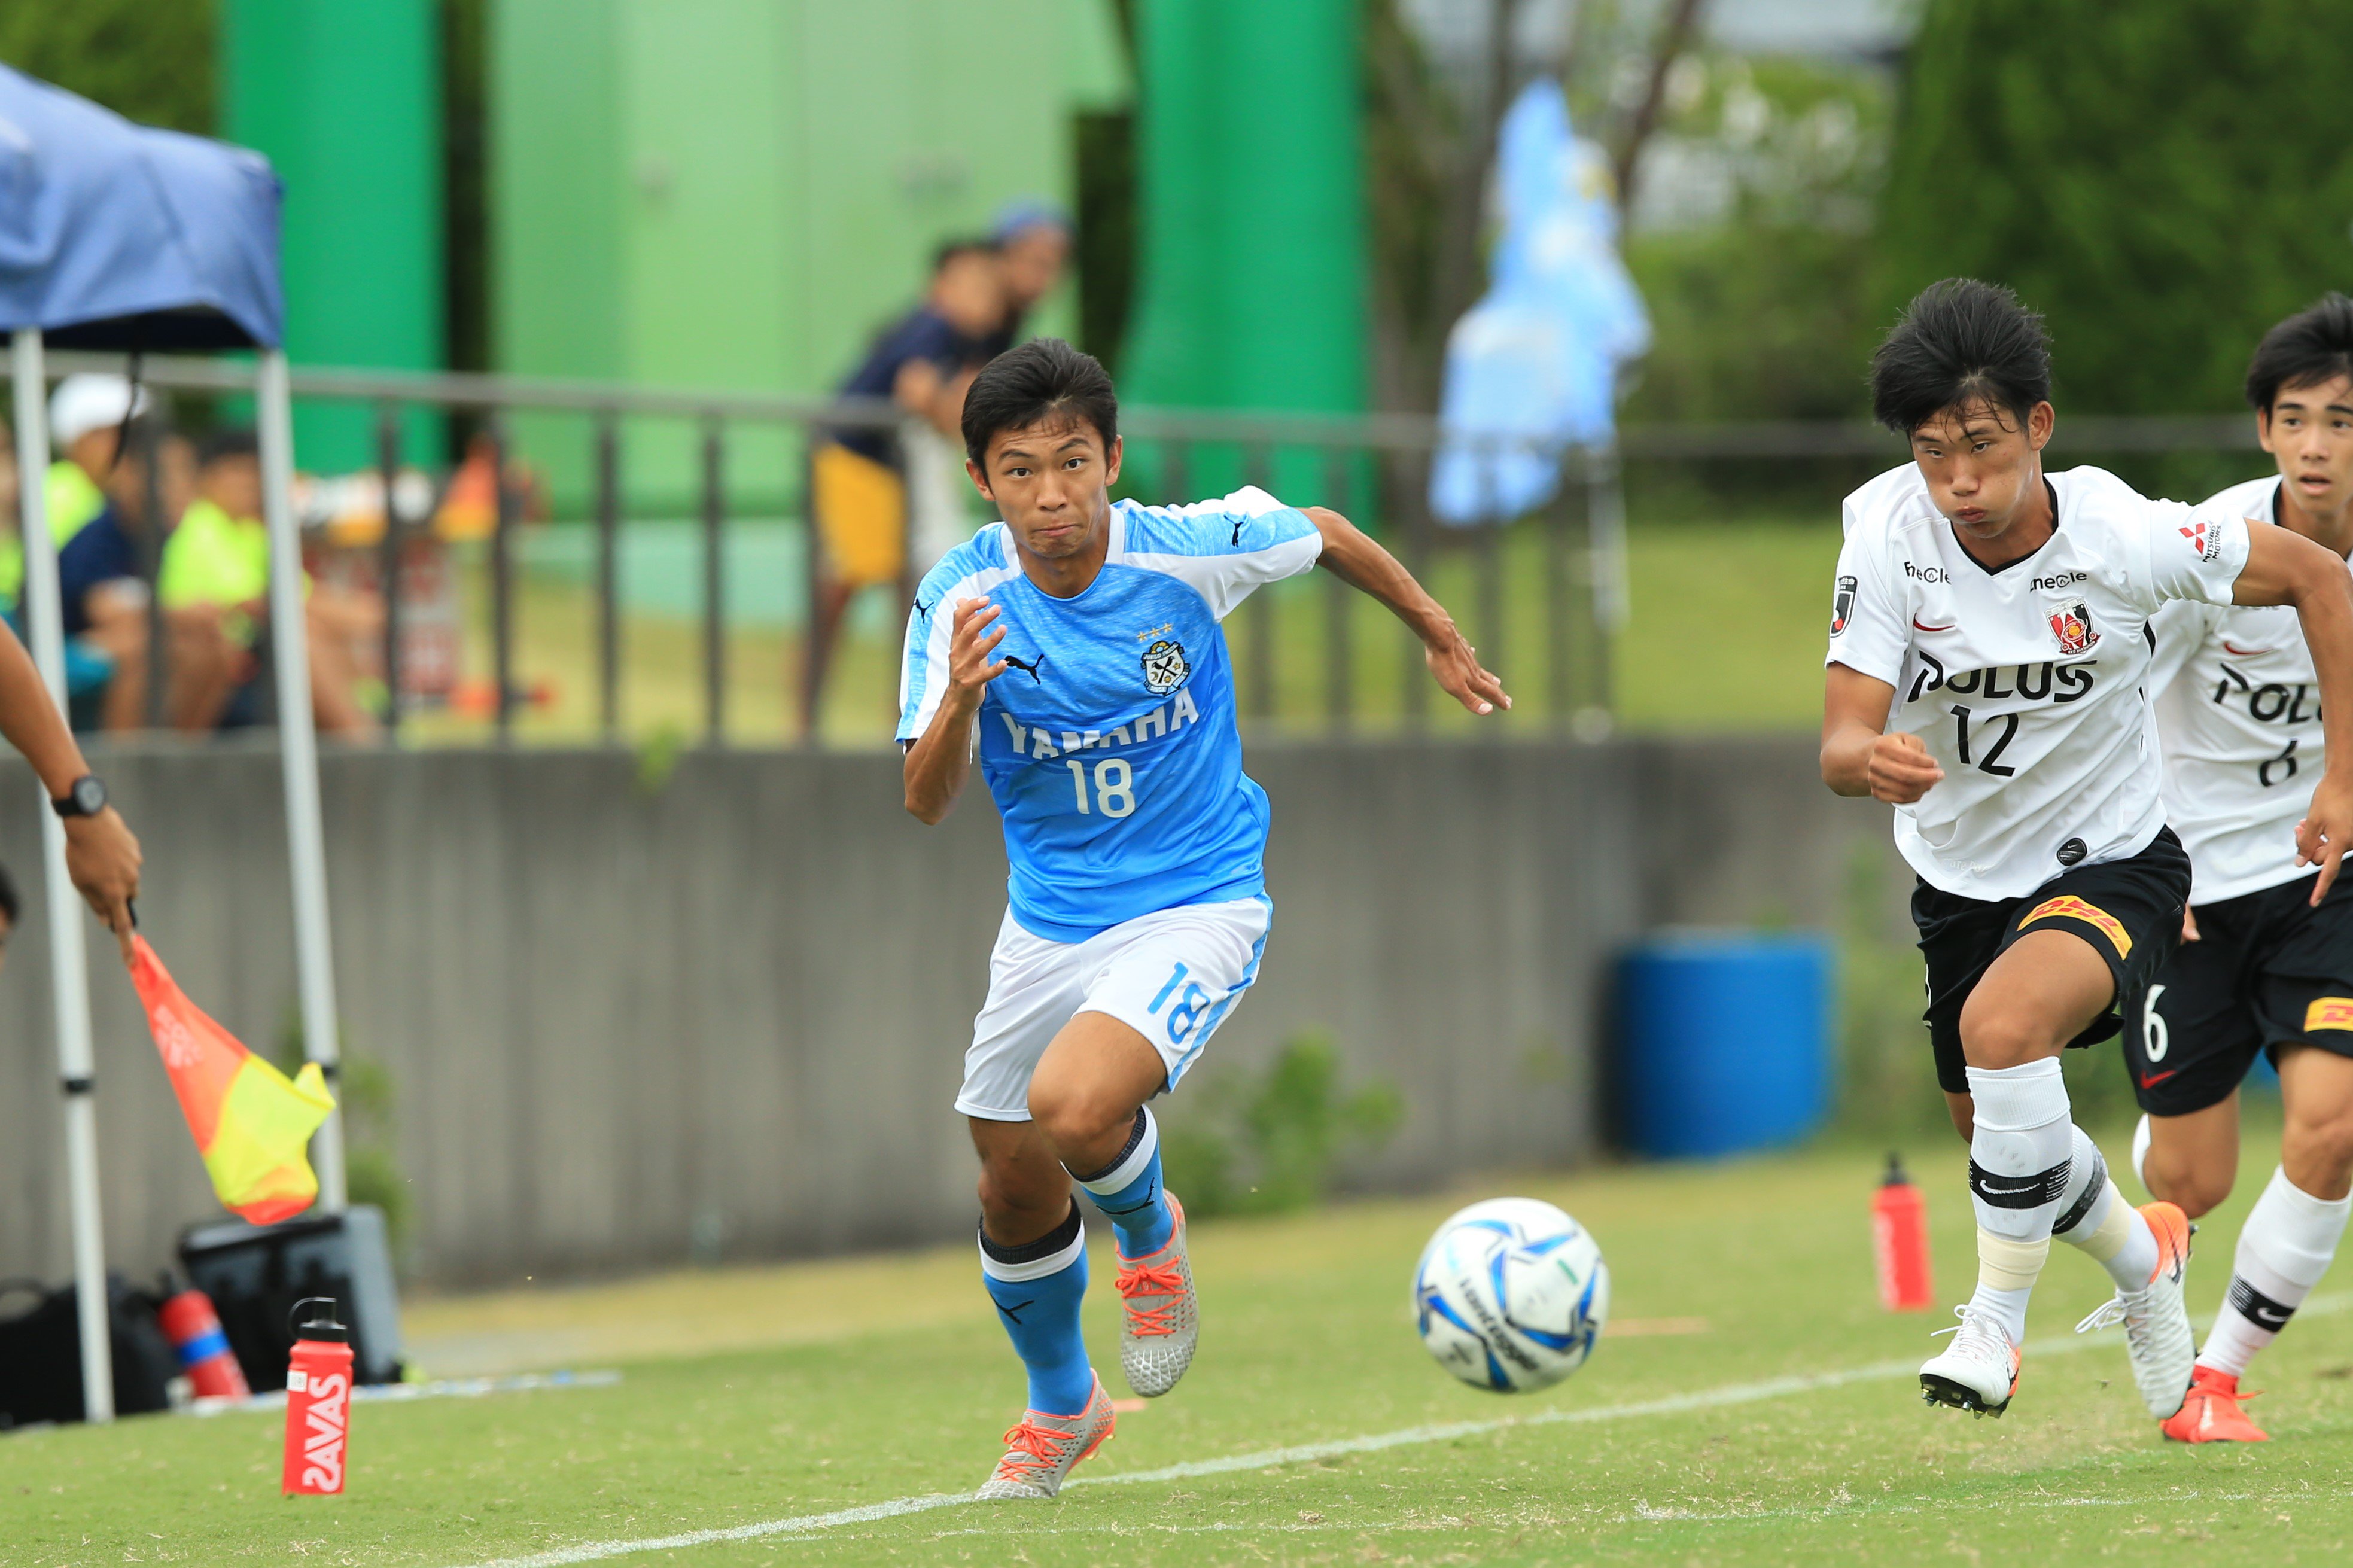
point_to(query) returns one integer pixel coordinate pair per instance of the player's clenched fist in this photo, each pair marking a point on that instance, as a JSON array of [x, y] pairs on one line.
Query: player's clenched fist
[[970, 646], [1900, 769]]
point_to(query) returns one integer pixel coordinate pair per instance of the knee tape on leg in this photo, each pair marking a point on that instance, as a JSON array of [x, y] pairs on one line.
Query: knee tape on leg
[[2004, 1264]]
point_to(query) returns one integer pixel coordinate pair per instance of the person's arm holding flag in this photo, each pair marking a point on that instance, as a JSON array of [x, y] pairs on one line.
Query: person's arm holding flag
[[102, 855]]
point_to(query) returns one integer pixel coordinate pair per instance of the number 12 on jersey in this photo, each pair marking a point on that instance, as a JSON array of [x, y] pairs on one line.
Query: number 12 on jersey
[[1991, 762], [1115, 786]]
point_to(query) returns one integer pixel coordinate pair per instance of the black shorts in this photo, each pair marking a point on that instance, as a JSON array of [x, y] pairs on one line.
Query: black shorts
[[2268, 970], [2128, 911]]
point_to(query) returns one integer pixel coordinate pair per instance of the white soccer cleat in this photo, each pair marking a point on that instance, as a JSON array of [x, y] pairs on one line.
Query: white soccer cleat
[[1159, 1317], [1978, 1371], [1040, 1450], [2158, 1336]]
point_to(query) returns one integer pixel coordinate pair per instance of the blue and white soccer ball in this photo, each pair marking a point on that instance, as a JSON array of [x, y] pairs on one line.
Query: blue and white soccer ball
[[1511, 1295]]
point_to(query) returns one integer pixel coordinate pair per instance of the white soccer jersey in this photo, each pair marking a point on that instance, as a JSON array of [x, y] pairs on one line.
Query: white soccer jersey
[[2238, 716], [2025, 683]]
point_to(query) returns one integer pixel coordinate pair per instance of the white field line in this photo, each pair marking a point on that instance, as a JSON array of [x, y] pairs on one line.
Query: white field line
[[1303, 1453]]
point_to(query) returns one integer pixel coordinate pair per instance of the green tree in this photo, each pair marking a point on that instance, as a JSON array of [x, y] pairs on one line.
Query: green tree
[[2162, 180], [148, 61]]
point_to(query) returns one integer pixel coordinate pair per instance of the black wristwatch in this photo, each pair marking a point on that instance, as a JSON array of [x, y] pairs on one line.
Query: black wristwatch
[[85, 797]]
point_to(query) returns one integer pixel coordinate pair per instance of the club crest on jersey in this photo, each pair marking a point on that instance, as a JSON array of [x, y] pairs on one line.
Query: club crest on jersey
[[2072, 623], [1164, 668], [1843, 606], [2206, 542]]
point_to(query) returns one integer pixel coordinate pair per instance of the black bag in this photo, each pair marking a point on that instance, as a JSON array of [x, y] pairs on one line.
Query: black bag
[[40, 1354], [255, 1274]]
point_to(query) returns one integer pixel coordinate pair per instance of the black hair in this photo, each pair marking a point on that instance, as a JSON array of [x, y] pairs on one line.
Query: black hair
[[2308, 348], [1960, 342], [9, 906], [950, 250], [231, 441], [1043, 379]]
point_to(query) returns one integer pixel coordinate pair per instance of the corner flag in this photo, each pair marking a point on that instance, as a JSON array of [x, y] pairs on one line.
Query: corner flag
[[252, 1125]]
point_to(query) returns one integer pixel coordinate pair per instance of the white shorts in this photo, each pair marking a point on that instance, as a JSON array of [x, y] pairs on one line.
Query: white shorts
[[1172, 976]]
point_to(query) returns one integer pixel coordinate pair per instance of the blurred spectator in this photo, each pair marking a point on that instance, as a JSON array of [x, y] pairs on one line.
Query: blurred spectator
[[8, 912], [865, 483], [86, 414], [104, 591], [215, 581], [1033, 247]]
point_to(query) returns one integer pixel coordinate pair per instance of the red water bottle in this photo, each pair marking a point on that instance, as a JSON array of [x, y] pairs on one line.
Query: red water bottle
[[1899, 1234], [194, 1331], [318, 1401]]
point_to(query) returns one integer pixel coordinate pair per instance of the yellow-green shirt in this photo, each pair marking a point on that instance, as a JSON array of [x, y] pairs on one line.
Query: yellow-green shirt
[[72, 498], [213, 558]]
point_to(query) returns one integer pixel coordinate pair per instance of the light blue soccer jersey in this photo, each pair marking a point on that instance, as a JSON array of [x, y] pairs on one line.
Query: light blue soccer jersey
[[1110, 742]]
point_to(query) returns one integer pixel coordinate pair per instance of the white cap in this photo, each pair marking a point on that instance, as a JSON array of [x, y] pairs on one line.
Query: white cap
[[82, 404]]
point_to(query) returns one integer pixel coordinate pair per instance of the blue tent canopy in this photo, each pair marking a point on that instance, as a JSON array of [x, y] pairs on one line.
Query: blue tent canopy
[[120, 237]]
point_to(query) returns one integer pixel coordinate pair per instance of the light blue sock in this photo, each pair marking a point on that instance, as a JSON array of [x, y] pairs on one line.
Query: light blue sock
[[1038, 1289], [1128, 1190]]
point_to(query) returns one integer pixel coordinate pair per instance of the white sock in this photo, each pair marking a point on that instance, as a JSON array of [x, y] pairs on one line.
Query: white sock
[[2094, 1217], [2140, 1154], [2018, 1161], [2283, 1249]]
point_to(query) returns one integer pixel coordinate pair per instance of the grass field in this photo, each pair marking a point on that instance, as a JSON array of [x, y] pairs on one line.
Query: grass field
[[1785, 1429]]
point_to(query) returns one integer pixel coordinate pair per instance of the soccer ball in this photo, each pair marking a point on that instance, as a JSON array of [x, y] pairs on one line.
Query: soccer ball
[[1511, 1294]]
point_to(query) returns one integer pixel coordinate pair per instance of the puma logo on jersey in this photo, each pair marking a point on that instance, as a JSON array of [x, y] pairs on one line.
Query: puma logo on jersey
[[2067, 906], [1039, 742], [1027, 666]]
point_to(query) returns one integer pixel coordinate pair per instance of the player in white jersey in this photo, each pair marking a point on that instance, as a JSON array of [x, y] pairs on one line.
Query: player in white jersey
[[1989, 643], [2266, 962], [1137, 909]]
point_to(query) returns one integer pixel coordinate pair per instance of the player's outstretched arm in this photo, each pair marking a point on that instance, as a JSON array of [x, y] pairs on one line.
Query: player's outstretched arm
[[102, 856], [2286, 568], [1357, 559], [1858, 756], [941, 758]]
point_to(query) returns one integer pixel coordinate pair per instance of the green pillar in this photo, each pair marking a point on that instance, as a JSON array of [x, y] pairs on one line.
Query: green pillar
[[344, 97], [1251, 266]]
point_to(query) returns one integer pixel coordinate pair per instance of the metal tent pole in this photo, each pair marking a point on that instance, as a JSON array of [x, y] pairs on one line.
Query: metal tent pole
[[69, 963], [298, 745]]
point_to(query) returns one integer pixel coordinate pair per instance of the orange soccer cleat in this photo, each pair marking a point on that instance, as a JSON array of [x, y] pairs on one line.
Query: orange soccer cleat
[[2210, 1413]]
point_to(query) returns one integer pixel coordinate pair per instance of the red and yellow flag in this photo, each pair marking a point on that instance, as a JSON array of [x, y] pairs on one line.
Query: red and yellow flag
[[252, 1124]]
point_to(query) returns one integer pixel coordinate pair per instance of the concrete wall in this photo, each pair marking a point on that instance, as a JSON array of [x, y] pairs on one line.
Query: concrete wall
[[615, 1015]]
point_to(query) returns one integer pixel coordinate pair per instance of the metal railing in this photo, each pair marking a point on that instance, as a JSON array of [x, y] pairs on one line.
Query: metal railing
[[1542, 598]]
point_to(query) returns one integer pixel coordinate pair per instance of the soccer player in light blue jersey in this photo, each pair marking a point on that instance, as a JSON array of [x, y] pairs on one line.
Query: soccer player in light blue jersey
[[1076, 648]]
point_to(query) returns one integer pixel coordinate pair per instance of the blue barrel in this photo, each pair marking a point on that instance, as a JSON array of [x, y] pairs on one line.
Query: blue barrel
[[1723, 1041]]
